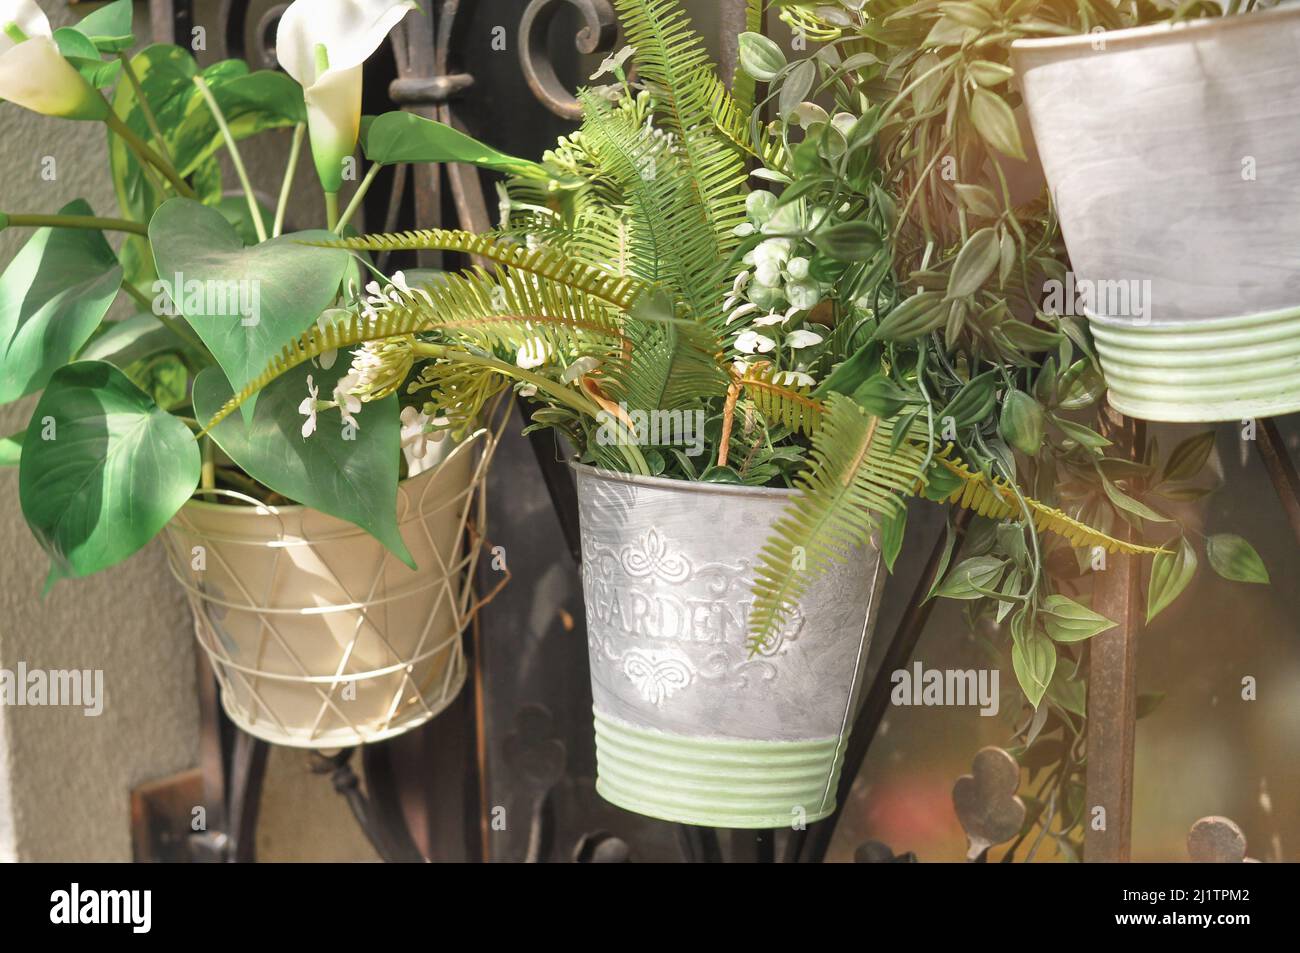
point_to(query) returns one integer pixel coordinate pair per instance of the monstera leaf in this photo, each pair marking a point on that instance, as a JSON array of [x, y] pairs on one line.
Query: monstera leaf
[[351, 474], [246, 303], [52, 297], [103, 468]]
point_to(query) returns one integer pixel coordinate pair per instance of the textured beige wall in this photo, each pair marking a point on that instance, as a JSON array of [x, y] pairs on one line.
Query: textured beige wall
[[65, 779]]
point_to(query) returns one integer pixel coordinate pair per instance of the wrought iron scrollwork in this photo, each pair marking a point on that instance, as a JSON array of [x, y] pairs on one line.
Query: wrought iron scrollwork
[[599, 30]]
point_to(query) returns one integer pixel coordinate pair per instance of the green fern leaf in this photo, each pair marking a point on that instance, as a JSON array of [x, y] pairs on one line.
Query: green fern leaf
[[851, 481], [793, 407], [672, 58], [620, 291], [996, 499], [475, 310]]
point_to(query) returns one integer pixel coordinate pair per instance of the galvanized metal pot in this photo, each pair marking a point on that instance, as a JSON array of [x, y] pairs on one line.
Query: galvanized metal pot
[[1173, 156], [689, 726]]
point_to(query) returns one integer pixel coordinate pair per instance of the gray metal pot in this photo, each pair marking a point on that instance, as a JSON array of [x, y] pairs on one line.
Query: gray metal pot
[[1173, 156], [689, 726]]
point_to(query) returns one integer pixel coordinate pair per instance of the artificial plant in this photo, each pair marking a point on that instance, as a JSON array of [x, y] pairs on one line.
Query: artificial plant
[[643, 274], [905, 117], [207, 286]]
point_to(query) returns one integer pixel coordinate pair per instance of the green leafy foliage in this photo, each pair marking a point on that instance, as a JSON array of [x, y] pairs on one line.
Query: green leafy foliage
[[251, 101], [405, 137], [109, 27], [103, 468], [346, 472], [853, 479], [1170, 573], [1234, 558], [53, 296], [246, 303]]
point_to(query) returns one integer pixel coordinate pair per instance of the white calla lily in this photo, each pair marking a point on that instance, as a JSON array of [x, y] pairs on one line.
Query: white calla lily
[[322, 44], [34, 74]]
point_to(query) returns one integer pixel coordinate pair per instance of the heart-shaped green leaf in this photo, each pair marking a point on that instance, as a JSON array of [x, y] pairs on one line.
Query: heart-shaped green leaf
[[246, 303], [132, 339], [103, 468], [52, 297], [351, 474]]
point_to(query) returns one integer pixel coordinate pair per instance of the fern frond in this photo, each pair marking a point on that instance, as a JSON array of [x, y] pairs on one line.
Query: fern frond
[[670, 365], [851, 481], [672, 58], [314, 342], [475, 309], [620, 291], [995, 499], [595, 234], [669, 242], [793, 407]]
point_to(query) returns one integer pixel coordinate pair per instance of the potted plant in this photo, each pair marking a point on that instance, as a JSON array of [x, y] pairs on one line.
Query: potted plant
[[1191, 205], [906, 118], [731, 368], [329, 595]]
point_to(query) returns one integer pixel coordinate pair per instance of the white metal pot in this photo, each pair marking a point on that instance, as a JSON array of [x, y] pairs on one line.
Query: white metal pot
[[689, 726], [320, 637], [1173, 157]]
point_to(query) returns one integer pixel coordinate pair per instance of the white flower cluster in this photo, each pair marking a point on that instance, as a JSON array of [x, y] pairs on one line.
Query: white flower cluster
[[378, 367], [776, 290]]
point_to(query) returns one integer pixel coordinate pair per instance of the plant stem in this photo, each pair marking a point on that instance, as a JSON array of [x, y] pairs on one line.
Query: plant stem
[[331, 210], [145, 108], [147, 154], [139, 297], [74, 221], [235, 157], [295, 147], [208, 470], [362, 188]]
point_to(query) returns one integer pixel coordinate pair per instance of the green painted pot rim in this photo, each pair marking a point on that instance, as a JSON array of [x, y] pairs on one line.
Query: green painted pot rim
[[713, 781], [1202, 371]]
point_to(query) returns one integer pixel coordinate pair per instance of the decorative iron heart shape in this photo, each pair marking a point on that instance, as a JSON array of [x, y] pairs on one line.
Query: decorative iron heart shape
[[986, 801]]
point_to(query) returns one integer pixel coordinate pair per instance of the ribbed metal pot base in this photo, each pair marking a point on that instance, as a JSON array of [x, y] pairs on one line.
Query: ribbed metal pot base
[[715, 782], [1203, 371]]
